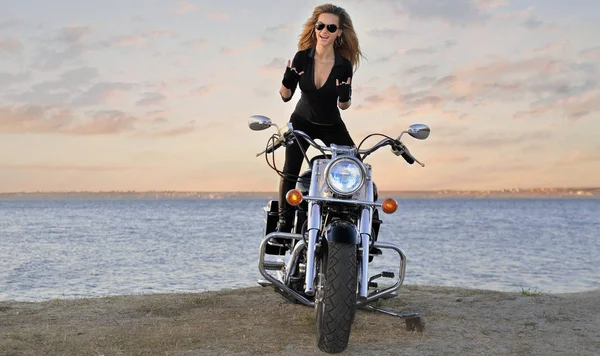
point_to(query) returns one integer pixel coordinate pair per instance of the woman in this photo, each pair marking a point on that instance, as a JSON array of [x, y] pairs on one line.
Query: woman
[[328, 53]]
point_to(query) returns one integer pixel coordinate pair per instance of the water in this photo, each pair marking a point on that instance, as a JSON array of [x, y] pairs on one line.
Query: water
[[90, 248]]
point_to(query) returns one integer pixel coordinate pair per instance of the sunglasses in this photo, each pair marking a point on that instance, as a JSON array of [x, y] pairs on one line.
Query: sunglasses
[[331, 28]]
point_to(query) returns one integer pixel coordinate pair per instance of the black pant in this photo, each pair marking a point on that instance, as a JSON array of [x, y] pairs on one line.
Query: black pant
[[337, 134]]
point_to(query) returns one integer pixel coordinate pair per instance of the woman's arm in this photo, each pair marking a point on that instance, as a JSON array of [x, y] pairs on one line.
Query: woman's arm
[[345, 105], [286, 94]]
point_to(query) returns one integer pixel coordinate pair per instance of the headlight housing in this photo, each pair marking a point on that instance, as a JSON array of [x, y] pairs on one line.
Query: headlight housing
[[345, 176]]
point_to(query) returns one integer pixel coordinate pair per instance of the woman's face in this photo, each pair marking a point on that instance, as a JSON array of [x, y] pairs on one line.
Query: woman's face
[[323, 29]]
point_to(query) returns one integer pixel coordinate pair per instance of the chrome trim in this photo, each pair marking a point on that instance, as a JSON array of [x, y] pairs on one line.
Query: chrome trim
[[269, 277], [314, 213], [379, 294], [343, 201], [313, 226], [277, 283], [365, 233]]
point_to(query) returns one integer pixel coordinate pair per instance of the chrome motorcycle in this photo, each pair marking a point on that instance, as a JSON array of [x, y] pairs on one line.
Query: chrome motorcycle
[[324, 261]]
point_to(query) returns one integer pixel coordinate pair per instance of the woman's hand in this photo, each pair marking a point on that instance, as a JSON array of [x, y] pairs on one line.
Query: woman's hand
[[291, 76], [344, 91]]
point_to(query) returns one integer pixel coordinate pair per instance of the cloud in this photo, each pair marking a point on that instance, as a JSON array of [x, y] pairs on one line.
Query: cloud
[[490, 4], [417, 51], [218, 16], [8, 79], [458, 12], [73, 35], [104, 122], [66, 167], [250, 46], [69, 80], [423, 68], [10, 46], [571, 107], [51, 59], [279, 28], [150, 99], [276, 65], [56, 91], [196, 43], [203, 90], [40, 97], [139, 39], [578, 157], [532, 23], [184, 7], [549, 49], [504, 139], [592, 53], [34, 119], [173, 132], [4, 24], [100, 93], [386, 32]]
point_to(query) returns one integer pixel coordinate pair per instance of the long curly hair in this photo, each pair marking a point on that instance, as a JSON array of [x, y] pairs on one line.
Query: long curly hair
[[348, 47]]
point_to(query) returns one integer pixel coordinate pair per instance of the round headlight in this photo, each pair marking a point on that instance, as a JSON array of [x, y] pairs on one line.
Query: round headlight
[[345, 176]]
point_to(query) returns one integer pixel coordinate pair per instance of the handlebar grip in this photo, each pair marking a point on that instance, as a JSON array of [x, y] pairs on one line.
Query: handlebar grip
[[399, 149], [407, 158]]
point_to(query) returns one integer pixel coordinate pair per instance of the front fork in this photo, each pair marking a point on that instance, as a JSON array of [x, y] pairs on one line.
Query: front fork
[[313, 227]]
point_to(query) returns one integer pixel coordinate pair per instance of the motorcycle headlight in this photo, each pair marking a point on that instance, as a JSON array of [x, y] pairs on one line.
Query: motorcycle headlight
[[345, 176]]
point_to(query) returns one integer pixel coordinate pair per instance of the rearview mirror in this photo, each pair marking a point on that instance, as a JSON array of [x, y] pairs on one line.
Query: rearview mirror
[[259, 122], [419, 131]]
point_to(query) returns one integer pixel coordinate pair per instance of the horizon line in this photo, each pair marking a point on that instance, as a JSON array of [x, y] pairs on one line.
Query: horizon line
[[511, 189]]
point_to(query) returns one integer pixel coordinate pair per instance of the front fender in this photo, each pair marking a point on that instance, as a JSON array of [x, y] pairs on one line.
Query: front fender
[[342, 231]]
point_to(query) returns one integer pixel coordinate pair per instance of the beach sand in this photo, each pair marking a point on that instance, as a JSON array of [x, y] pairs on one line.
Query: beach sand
[[257, 321]]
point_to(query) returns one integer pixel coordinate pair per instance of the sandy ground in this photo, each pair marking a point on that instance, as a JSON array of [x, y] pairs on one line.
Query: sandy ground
[[256, 321]]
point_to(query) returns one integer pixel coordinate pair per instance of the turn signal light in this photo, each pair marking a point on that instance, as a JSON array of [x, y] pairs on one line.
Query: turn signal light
[[294, 197], [389, 206]]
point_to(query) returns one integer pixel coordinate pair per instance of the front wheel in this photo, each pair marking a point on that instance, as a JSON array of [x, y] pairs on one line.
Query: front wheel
[[336, 297]]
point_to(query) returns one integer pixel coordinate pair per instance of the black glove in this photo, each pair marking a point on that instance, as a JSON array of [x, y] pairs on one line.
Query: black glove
[[344, 92], [290, 78]]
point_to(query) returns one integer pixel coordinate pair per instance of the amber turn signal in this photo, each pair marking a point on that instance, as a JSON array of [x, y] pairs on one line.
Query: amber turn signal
[[389, 206], [294, 197]]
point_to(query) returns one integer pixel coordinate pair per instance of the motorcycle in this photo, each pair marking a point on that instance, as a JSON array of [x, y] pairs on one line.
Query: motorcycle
[[324, 261]]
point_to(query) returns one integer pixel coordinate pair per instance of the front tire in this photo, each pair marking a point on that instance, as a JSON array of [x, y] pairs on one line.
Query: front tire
[[336, 300]]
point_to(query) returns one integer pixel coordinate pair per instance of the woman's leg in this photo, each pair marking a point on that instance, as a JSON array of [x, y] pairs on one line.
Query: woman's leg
[[291, 169]]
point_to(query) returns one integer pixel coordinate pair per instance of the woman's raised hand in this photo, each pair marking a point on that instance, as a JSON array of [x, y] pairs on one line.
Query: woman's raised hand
[[344, 90], [291, 76]]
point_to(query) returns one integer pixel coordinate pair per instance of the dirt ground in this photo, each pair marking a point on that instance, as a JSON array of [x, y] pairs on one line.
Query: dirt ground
[[257, 321]]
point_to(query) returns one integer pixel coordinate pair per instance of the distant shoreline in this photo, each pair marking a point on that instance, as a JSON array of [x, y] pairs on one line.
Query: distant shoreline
[[530, 193]]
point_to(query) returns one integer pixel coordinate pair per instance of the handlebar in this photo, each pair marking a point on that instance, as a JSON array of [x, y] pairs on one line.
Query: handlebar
[[287, 132]]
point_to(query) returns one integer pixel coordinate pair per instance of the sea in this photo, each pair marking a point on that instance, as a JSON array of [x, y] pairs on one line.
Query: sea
[[76, 248]]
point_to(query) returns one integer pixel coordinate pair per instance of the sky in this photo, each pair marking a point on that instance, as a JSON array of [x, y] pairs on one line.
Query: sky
[[144, 95]]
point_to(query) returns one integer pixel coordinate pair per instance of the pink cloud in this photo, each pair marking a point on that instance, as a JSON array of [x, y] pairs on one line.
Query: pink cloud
[[104, 122], [218, 16], [248, 47], [34, 119], [10, 45], [101, 93], [489, 4], [204, 90], [140, 39], [184, 7]]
